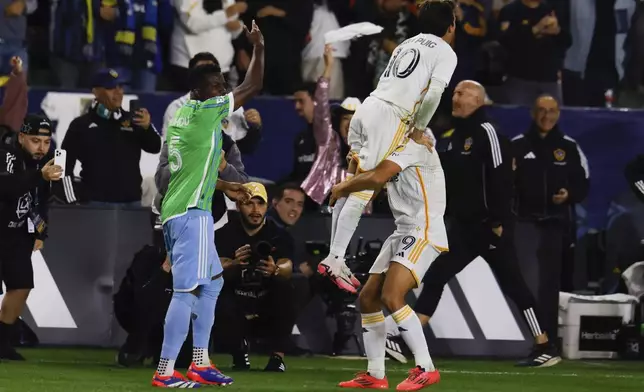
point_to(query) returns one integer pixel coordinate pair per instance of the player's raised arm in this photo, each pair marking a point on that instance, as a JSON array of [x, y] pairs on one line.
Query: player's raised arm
[[254, 80]]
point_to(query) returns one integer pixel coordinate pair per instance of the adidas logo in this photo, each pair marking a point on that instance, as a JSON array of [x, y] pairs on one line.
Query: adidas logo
[[93, 125], [530, 155], [393, 346], [282, 367], [400, 254], [543, 358]]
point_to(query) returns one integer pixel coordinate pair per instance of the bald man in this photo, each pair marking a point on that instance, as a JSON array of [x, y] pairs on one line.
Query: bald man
[[477, 162], [551, 176]]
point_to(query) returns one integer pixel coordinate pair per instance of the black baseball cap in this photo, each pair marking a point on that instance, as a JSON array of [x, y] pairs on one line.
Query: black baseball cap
[[107, 78], [36, 125]]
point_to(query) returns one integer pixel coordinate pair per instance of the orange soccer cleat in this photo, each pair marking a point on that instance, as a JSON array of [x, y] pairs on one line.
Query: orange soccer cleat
[[419, 378], [365, 381]]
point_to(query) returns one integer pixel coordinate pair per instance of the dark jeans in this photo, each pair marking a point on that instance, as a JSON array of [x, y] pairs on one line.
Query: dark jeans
[[272, 318], [539, 249], [467, 241]]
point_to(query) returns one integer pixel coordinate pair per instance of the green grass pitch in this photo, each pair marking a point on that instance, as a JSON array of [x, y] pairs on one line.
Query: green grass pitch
[[58, 370]]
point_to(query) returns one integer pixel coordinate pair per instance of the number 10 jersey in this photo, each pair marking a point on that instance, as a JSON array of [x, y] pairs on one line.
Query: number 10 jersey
[[411, 68]]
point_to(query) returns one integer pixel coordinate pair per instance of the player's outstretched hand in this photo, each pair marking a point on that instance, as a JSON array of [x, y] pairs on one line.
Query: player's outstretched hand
[[255, 36], [237, 192]]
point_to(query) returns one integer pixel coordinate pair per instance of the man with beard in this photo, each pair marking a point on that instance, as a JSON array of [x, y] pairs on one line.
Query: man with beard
[[257, 297], [24, 192]]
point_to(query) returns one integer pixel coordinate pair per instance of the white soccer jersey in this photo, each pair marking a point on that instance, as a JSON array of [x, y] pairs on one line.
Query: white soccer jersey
[[411, 68], [417, 194]]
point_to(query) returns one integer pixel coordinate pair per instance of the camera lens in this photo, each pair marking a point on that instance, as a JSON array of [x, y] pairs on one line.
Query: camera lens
[[263, 249]]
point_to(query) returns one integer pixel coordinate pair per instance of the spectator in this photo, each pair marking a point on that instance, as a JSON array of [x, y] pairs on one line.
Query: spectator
[[595, 61], [257, 297], [287, 205], [332, 149], [632, 91], [535, 42], [243, 126], [471, 32], [285, 24], [78, 47], [209, 25], [136, 52], [13, 32], [313, 56], [304, 146], [14, 102], [551, 176], [113, 178], [399, 24]]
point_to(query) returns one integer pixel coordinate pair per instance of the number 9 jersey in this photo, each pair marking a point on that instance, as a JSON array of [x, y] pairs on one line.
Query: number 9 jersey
[[413, 64]]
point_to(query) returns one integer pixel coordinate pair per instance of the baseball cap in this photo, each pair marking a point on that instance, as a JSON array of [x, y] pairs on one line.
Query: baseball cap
[[107, 78], [36, 125], [257, 190], [349, 105]]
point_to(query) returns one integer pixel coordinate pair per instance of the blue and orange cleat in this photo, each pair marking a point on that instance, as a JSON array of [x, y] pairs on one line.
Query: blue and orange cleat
[[177, 380], [419, 378], [365, 380], [208, 375]]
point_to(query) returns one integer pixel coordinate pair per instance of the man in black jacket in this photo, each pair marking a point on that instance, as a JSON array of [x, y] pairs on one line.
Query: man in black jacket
[[25, 174], [478, 173], [551, 176], [107, 141]]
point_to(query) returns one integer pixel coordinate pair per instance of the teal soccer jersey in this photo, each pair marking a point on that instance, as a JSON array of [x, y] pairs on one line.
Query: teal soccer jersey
[[194, 141]]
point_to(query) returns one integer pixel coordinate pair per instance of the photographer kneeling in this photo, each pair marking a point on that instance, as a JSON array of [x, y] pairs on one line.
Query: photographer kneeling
[[257, 297]]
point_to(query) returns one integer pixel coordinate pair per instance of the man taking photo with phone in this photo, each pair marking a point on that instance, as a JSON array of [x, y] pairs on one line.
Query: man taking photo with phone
[[120, 135], [25, 174]]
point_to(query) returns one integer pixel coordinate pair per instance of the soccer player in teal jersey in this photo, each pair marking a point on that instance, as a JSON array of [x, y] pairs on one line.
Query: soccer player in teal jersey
[[194, 144]]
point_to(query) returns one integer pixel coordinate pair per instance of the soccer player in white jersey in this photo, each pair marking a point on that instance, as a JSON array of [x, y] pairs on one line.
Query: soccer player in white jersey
[[407, 95], [416, 191]]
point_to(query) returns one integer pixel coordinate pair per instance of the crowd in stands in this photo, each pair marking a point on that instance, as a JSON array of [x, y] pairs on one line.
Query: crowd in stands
[[576, 49]]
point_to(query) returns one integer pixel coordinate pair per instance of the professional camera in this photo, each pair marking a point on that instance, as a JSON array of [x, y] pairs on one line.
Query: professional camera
[[259, 251], [340, 304]]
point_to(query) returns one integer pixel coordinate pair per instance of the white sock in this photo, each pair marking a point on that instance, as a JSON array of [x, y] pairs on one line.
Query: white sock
[[412, 333], [348, 222], [373, 335], [391, 326], [200, 356], [337, 208], [166, 367]]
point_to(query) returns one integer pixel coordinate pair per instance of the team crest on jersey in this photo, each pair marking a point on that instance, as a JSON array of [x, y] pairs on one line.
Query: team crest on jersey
[[468, 144], [560, 154]]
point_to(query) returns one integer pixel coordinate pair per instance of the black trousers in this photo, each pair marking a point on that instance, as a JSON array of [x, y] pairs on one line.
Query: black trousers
[[569, 242], [272, 318], [466, 242], [539, 250]]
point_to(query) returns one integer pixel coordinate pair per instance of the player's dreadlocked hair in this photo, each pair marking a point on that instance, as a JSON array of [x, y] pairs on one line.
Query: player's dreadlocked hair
[[436, 16], [204, 79]]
